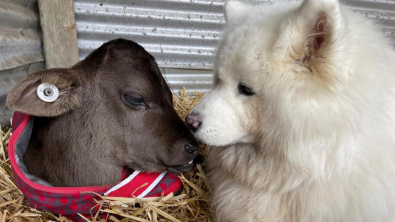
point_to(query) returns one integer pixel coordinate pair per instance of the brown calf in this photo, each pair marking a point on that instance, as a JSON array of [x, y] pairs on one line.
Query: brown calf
[[114, 109]]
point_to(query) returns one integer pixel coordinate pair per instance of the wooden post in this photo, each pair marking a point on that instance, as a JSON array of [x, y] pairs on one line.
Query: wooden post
[[59, 33]]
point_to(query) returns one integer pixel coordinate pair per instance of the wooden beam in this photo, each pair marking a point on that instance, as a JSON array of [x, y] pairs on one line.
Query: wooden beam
[[59, 33]]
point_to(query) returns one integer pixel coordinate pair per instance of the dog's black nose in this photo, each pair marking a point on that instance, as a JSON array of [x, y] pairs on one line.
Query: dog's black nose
[[193, 121], [192, 148]]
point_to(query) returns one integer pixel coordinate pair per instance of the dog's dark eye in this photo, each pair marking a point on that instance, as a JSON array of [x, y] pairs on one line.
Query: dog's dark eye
[[133, 101], [245, 90]]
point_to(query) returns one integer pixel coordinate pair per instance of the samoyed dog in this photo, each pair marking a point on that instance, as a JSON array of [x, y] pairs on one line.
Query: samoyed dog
[[301, 116]]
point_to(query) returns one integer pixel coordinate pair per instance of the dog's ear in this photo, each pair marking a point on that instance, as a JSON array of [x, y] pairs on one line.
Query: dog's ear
[[235, 10], [315, 28], [25, 98]]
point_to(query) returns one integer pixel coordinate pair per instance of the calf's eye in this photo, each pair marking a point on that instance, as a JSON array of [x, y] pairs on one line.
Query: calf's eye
[[245, 90], [133, 101]]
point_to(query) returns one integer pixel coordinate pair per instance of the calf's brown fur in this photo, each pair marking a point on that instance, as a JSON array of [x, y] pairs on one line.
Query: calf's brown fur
[[92, 130]]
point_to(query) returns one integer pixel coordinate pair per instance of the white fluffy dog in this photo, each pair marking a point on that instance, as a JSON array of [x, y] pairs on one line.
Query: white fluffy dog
[[302, 116]]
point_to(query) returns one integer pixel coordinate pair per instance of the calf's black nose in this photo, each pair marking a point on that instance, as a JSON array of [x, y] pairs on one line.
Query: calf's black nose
[[193, 120], [192, 149]]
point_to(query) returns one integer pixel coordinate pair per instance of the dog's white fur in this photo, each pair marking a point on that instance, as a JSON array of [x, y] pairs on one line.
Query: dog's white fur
[[316, 142]]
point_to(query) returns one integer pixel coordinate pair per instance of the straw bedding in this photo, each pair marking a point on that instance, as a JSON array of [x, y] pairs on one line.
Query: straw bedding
[[191, 205]]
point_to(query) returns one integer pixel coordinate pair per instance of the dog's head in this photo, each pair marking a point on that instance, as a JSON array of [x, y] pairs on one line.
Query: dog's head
[[277, 70]]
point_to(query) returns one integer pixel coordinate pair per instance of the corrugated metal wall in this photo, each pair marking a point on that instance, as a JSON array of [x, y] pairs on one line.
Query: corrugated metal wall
[[20, 46], [181, 34]]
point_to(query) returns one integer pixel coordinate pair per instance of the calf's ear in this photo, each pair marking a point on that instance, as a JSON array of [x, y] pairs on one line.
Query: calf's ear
[[25, 98]]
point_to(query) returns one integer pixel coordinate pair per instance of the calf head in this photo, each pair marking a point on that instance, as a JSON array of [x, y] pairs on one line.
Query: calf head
[[114, 108]]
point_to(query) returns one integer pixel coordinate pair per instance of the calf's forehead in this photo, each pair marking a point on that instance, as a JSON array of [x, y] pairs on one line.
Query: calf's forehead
[[124, 66], [140, 75]]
